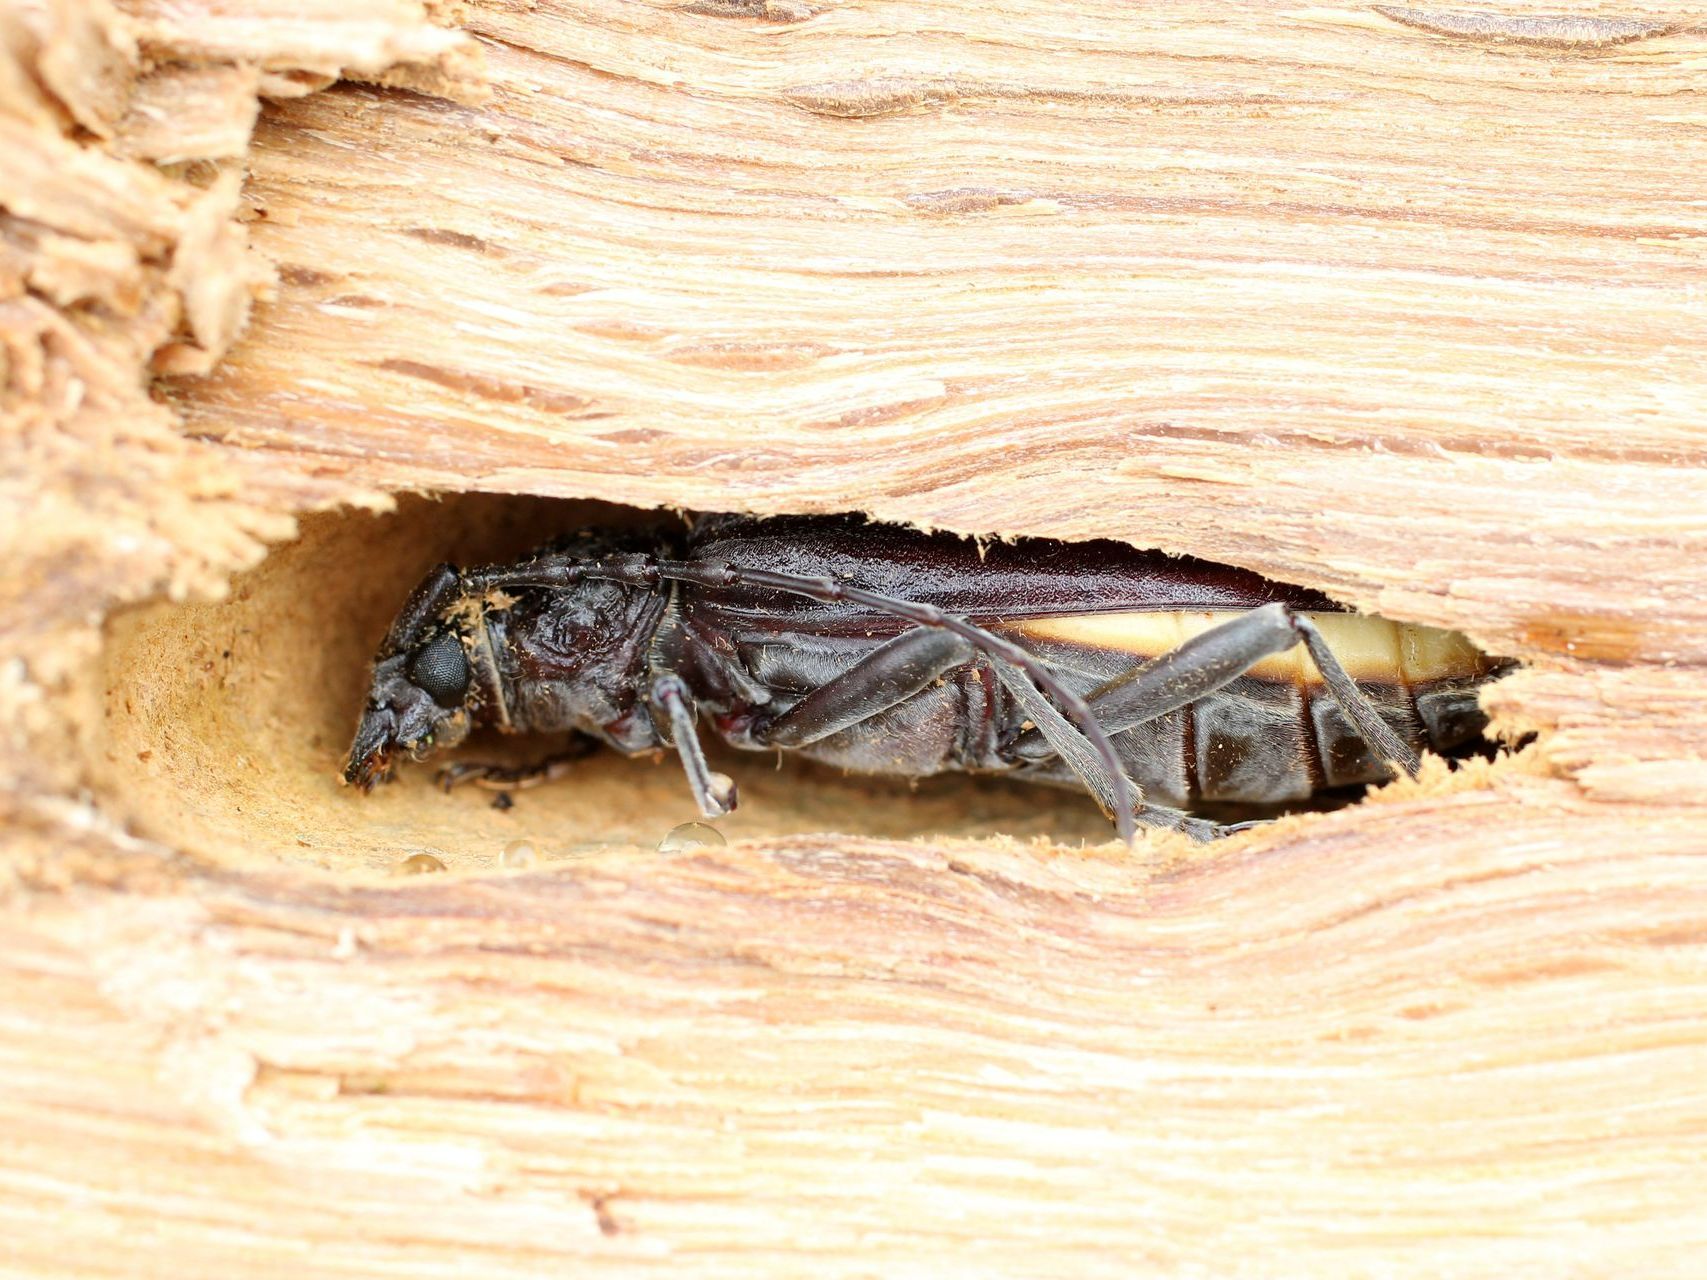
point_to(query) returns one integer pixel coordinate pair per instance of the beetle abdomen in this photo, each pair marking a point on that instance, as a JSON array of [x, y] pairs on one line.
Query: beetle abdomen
[[1274, 735]]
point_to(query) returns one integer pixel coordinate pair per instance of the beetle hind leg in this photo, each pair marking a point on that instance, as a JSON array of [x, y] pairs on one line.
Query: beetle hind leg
[[1215, 658], [1199, 829]]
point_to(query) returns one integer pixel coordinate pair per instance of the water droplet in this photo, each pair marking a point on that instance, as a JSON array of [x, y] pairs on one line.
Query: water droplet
[[419, 864], [518, 854], [691, 835]]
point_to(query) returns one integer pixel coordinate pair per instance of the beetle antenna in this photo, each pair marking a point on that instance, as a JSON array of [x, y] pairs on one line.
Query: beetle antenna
[[1107, 781], [425, 603], [1116, 790]]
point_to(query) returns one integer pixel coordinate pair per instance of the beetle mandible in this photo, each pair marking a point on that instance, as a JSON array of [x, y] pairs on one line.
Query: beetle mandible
[[1159, 684]]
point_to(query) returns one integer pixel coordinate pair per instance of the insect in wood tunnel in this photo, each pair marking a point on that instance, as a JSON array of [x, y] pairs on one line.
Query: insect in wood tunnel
[[1161, 685]]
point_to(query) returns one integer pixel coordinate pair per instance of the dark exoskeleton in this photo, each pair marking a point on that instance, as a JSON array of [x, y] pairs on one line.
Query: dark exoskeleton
[[1160, 684]]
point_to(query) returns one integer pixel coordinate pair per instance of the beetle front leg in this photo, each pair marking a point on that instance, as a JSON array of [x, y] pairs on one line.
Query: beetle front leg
[[503, 777], [713, 792]]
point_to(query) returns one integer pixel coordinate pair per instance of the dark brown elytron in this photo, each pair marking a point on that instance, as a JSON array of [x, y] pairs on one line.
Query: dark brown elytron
[[1161, 685]]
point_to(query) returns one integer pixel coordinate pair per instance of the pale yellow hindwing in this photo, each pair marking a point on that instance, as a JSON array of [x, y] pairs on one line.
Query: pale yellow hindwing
[[1369, 648]]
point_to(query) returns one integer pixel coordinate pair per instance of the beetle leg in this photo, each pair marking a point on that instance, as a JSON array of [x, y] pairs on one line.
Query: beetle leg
[[1355, 703], [1203, 664], [503, 777], [1215, 658], [887, 676], [714, 792], [1061, 739]]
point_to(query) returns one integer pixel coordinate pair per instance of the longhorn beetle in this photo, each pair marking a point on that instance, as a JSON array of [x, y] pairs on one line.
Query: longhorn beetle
[[1159, 684]]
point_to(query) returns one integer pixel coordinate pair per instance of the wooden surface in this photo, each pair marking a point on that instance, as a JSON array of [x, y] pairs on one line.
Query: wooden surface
[[1406, 304]]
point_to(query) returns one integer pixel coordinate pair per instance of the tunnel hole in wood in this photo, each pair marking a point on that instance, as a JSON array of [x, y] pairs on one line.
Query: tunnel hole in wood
[[226, 725]]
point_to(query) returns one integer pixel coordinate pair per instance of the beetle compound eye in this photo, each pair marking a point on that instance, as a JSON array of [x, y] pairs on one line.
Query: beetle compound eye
[[441, 668]]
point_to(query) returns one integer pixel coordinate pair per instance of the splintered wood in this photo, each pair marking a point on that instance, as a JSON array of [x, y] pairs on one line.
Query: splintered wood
[[1397, 302]]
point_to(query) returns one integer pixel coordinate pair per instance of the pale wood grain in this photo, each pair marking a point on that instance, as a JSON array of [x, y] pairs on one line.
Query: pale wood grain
[[1401, 302]]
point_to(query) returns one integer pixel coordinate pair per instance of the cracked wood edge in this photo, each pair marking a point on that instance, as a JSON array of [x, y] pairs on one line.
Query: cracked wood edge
[[853, 1051]]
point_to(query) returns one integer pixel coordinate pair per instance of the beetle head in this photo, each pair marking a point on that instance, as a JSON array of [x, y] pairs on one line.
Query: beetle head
[[418, 699]]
